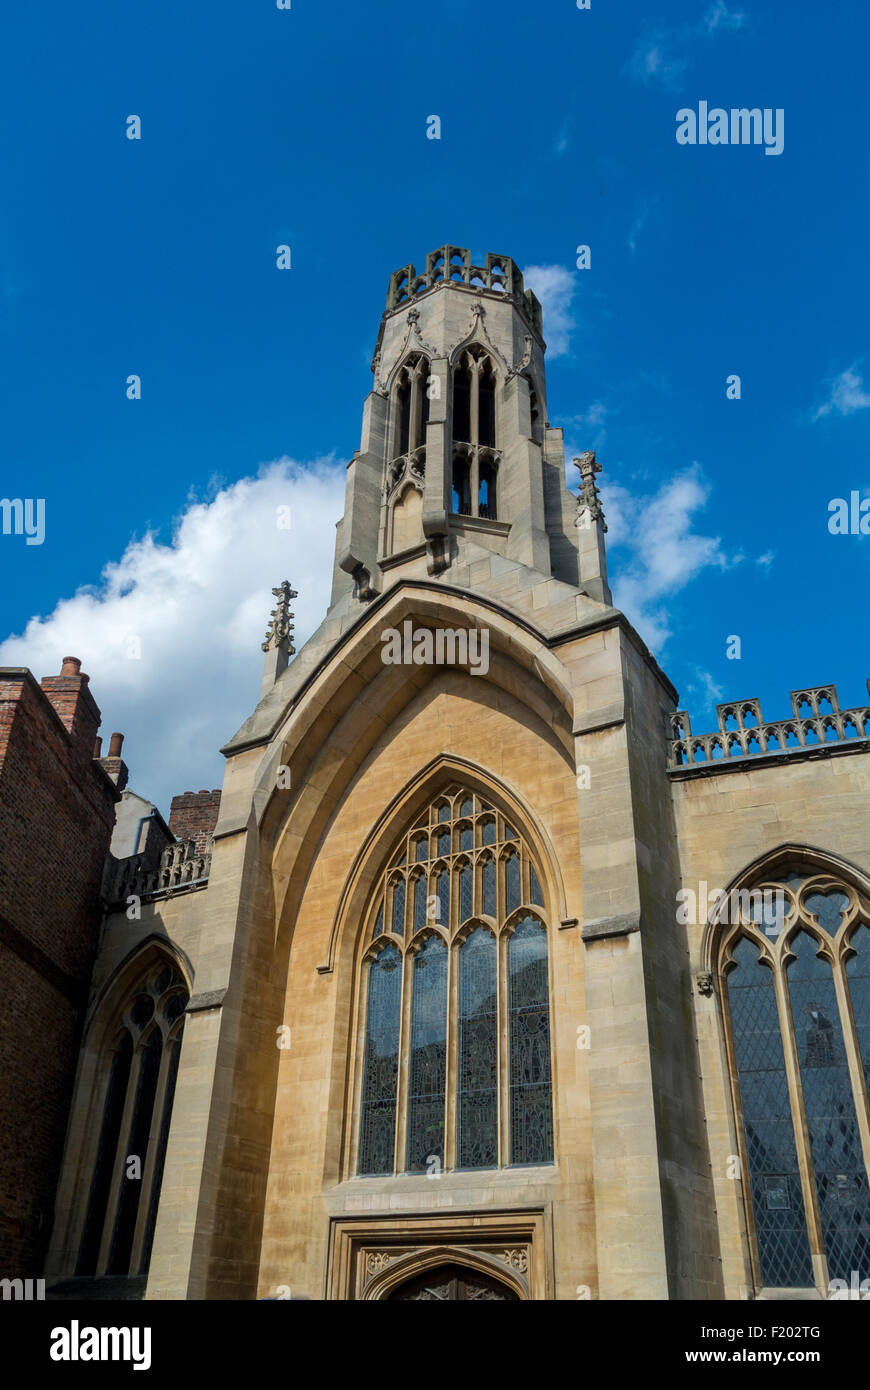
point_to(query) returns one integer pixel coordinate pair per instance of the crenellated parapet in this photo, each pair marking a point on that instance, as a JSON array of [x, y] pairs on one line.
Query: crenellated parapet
[[181, 867], [816, 721], [453, 264]]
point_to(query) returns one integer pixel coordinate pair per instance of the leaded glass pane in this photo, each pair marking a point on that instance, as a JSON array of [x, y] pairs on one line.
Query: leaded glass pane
[[428, 1058], [509, 832], [835, 1142], [137, 1143], [443, 895], [443, 841], [466, 837], [381, 1064], [110, 1133], [399, 907], [466, 885], [512, 889], [780, 1221], [379, 922], [858, 975], [828, 909], [419, 902], [536, 893], [421, 849], [477, 1061], [489, 887], [531, 1107], [489, 832], [444, 811], [467, 807]]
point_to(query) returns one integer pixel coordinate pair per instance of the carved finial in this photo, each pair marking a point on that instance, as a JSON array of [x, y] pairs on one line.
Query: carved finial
[[280, 630], [588, 502]]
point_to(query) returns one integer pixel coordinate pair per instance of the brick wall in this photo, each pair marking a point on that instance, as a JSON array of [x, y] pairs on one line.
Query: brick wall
[[193, 816], [56, 819]]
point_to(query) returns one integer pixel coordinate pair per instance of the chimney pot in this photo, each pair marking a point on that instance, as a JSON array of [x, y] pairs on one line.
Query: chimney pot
[[115, 745], [70, 666], [98, 747]]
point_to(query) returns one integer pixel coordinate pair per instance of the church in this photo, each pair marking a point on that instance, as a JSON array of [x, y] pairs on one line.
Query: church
[[469, 985]]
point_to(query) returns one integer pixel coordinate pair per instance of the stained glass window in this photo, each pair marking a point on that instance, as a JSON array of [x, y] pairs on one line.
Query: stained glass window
[[531, 1106], [488, 876], [835, 1141], [804, 1124], [123, 1204], [381, 1065], [442, 893], [446, 999], [466, 885], [477, 1064], [536, 893], [427, 1071], [780, 1222], [513, 896], [419, 902], [399, 907]]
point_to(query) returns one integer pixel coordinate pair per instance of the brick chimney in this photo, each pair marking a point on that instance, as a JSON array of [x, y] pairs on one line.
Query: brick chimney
[[74, 704], [114, 764]]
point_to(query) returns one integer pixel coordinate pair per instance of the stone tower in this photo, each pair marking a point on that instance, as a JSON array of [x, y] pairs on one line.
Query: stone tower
[[457, 456]]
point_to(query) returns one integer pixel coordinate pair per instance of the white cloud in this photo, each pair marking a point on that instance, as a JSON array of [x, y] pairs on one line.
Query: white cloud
[[847, 394], [555, 287], [659, 54], [663, 551], [766, 560], [705, 686], [720, 17], [639, 223], [199, 606]]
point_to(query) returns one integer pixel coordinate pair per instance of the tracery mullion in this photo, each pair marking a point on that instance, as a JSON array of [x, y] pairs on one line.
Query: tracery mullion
[[801, 1128], [404, 1062]]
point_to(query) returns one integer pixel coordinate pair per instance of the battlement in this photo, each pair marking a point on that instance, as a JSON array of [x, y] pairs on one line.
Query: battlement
[[182, 866], [452, 265], [816, 722]]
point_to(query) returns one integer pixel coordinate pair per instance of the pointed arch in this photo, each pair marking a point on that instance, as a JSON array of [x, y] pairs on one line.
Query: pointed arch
[[795, 1013]]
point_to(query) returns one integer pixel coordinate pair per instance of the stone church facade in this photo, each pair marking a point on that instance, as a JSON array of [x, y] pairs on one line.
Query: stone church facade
[[494, 979]]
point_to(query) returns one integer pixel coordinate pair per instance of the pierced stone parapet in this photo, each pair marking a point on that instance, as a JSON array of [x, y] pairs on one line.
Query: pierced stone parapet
[[180, 867], [453, 263], [816, 721]]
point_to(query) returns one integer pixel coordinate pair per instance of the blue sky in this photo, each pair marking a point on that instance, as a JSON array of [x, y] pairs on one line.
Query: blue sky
[[308, 127]]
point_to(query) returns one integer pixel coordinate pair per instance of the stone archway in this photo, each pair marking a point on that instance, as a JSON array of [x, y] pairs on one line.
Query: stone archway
[[454, 1283]]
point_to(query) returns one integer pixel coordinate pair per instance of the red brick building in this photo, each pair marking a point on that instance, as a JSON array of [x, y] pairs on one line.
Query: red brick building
[[57, 809]]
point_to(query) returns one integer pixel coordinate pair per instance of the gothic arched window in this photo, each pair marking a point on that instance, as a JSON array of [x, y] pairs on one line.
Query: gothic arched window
[[475, 458], [410, 407], [794, 968], [142, 1067], [455, 1068]]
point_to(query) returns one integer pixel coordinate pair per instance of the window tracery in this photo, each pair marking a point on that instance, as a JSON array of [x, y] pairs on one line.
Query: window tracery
[[796, 999], [467, 986]]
